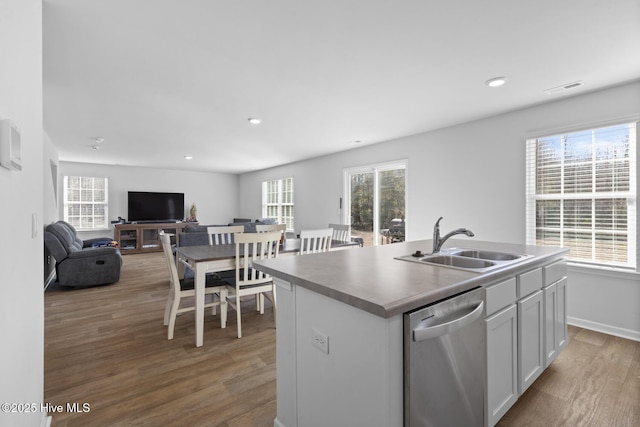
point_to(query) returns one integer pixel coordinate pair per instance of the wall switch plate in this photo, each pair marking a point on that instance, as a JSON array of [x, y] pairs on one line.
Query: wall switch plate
[[320, 340]]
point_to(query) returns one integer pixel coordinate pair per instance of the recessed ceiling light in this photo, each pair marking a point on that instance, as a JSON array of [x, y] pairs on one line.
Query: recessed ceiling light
[[357, 141], [496, 81], [254, 120], [188, 157], [95, 147]]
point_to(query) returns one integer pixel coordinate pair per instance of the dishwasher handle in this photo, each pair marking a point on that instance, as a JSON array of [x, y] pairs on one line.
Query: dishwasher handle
[[421, 334]]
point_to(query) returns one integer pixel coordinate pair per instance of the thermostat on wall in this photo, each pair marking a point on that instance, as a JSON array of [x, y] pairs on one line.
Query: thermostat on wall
[[10, 145]]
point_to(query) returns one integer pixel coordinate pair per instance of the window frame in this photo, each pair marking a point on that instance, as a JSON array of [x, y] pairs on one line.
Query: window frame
[[80, 225], [285, 200], [630, 195]]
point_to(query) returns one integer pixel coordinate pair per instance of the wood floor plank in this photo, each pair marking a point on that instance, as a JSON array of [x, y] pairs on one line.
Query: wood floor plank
[[107, 346]]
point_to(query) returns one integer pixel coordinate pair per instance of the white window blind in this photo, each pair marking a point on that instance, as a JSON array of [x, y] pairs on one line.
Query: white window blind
[[86, 203], [277, 201], [581, 194]]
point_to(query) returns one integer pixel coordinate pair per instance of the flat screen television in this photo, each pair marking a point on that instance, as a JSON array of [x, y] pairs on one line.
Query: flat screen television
[[149, 206]]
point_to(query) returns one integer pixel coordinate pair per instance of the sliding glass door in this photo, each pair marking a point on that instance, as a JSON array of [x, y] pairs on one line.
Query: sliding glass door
[[375, 202]]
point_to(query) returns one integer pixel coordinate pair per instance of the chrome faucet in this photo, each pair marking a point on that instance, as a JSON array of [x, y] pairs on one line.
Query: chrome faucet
[[439, 241]]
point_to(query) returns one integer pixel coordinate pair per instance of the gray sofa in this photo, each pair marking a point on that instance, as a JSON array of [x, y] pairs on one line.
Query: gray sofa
[[196, 234], [193, 235], [79, 263]]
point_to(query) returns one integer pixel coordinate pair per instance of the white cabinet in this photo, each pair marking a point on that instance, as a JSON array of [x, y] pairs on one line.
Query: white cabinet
[[555, 320], [561, 325], [502, 350], [502, 364], [529, 282], [550, 322], [523, 322], [499, 296], [530, 340], [555, 310]]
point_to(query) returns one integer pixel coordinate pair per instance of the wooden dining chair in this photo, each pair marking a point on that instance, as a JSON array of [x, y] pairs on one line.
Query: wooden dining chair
[[248, 280], [223, 235], [264, 228], [182, 288], [315, 241], [341, 232]]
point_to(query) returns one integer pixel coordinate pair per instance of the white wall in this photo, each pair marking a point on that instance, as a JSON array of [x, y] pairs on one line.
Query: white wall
[[604, 301], [21, 295], [473, 175], [215, 194]]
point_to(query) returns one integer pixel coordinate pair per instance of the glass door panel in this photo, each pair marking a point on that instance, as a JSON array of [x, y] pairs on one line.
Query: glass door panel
[[362, 206], [376, 203], [391, 214]]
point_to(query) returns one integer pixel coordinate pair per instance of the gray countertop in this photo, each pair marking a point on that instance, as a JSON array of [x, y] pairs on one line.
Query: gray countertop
[[372, 280]]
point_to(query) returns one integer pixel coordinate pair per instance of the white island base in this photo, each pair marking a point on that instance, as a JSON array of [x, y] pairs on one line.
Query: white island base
[[339, 337], [357, 383]]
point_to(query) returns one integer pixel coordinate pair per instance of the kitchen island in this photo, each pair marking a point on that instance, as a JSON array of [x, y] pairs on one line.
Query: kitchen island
[[340, 325]]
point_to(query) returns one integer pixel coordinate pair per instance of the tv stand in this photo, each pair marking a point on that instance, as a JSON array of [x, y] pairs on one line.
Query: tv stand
[[144, 237]]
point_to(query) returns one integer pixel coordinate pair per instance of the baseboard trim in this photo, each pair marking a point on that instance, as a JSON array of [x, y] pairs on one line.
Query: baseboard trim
[[605, 329]]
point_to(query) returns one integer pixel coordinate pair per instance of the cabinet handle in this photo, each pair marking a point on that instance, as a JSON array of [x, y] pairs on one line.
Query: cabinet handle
[[421, 334]]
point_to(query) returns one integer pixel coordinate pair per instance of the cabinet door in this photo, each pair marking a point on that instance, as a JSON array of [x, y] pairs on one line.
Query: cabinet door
[[562, 337], [530, 340], [502, 364], [550, 324], [150, 238]]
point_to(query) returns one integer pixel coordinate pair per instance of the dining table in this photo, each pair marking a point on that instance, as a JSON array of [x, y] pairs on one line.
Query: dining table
[[205, 259]]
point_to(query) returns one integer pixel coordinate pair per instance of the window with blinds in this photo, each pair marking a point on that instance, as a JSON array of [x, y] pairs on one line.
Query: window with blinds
[[86, 202], [581, 194], [277, 201]]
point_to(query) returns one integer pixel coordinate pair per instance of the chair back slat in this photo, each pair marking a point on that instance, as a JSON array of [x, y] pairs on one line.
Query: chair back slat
[[341, 232], [223, 235], [251, 247], [315, 241], [263, 228]]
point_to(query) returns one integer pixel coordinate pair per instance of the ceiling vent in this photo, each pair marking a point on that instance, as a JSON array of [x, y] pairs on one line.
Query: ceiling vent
[[564, 87]]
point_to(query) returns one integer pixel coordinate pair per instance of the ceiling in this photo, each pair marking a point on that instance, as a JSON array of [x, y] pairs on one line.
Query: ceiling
[[162, 79]]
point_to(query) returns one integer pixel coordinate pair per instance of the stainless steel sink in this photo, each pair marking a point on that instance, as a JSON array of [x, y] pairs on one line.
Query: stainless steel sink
[[458, 261], [490, 255], [475, 260]]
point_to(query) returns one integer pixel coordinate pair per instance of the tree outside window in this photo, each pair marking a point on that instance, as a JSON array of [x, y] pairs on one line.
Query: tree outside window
[[581, 194]]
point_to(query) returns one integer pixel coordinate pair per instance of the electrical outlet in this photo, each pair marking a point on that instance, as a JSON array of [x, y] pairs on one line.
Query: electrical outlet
[[320, 341]]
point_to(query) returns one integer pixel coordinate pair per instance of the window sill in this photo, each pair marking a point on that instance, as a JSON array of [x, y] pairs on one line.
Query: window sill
[[621, 273]]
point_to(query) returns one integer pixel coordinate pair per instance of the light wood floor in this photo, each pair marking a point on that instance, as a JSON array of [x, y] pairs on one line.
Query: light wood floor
[[107, 347]]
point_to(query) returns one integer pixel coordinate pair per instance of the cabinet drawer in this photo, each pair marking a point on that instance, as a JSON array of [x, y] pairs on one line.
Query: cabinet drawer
[[500, 295], [554, 272], [529, 282]]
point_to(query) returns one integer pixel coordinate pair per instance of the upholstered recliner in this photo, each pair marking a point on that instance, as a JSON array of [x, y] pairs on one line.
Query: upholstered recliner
[[78, 263]]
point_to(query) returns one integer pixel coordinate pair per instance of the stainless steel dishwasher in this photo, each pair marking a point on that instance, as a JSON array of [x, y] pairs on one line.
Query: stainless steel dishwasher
[[444, 362]]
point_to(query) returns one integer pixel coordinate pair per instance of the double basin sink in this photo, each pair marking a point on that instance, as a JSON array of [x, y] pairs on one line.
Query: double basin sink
[[466, 259]]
